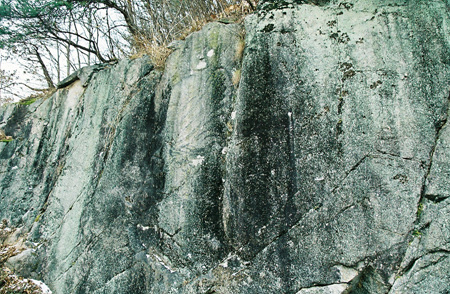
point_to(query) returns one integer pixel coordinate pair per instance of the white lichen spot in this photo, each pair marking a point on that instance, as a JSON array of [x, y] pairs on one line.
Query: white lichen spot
[[141, 227], [318, 179], [290, 114], [272, 172], [15, 167], [198, 160], [233, 115], [201, 65], [225, 150], [210, 53]]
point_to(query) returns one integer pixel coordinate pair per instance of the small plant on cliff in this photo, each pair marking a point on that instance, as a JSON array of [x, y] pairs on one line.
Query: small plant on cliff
[[420, 209], [35, 97], [28, 101], [417, 233]]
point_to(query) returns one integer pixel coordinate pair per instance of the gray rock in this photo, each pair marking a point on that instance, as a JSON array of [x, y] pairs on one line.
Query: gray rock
[[84, 75], [429, 274], [25, 264], [437, 188], [315, 162], [331, 289]]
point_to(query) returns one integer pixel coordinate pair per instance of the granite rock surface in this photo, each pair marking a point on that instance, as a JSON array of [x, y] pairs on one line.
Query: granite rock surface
[[306, 151]]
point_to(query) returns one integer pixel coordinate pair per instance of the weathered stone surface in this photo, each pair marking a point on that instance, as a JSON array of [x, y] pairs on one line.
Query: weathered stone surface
[[63, 179], [83, 74], [437, 188], [317, 162], [25, 263], [333, 141]]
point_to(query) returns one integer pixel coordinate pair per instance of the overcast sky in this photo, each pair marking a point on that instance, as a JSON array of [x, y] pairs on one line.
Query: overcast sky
[[11, 64]]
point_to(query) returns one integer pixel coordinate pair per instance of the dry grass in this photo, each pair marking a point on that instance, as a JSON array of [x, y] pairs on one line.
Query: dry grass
[[240, 46], [158, 55], [9, 282], [236, 77], [239, 10], [195, 26], [12, 284], [158, 51]]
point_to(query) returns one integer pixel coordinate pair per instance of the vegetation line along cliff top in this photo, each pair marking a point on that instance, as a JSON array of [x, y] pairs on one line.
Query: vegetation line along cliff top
[[44, 41]]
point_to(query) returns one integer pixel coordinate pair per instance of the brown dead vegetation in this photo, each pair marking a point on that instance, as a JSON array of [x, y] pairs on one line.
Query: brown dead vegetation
[[3, 136], [156, 45], [9, 282]]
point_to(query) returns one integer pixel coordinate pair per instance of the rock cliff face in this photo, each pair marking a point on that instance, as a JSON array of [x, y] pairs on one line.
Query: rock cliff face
[[317, 160]]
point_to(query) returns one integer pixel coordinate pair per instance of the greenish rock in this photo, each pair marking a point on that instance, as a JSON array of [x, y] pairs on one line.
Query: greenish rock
[[315, 162], [84, 75]]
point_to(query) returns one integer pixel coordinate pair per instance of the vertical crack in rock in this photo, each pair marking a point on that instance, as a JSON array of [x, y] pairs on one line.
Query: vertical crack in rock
[[419, 228], [413, 262], [439, 127]]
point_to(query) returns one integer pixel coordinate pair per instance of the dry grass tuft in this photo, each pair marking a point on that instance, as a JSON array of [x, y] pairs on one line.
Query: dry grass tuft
[[236, 77], [157, 53], [195, 26], [237, 11], [240, 47], [157, 48]]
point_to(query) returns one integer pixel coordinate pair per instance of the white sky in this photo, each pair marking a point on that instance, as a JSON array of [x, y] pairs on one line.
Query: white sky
[[10, 64]]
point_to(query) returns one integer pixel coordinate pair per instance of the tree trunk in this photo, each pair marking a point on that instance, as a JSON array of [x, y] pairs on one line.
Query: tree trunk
[[47, 76]]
